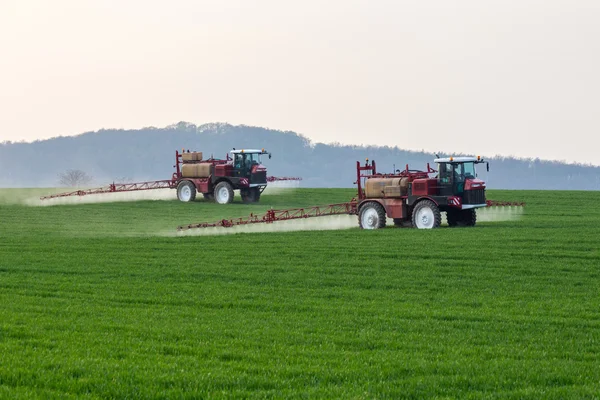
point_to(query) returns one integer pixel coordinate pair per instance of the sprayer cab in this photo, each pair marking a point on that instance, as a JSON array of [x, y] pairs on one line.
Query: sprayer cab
[[247, 163], [457, 176]]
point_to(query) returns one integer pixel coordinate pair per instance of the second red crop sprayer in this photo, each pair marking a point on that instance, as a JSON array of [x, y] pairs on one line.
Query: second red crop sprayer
[[216, 179], [410, 197]]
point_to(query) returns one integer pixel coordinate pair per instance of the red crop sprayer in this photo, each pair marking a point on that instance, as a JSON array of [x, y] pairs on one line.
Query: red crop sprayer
[[215, 178], [411, 198]]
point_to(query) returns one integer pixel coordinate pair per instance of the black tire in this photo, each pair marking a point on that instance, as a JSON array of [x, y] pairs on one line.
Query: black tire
[[371, 216], [186, 191], [209, 197], [453, 217], [223, 193], [426, 215], [461, 217], [469, 217], [251, 195]]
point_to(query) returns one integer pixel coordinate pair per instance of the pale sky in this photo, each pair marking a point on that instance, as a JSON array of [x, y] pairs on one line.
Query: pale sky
[[510, 77]]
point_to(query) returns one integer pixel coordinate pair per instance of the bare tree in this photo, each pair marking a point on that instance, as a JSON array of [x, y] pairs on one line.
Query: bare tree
[[73, 177]]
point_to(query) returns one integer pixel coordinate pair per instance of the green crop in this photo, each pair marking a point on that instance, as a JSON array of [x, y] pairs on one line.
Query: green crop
[[98, 301]]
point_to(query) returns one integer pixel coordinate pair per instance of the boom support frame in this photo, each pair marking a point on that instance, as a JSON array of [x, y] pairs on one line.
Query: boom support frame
[[117, 187], [271, 216]]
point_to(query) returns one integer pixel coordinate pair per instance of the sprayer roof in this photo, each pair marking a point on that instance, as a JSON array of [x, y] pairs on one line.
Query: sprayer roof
[[248, 151], [457, 159]]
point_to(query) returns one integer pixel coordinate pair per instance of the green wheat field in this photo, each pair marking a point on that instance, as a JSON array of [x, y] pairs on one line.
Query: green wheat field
[[105, 301]]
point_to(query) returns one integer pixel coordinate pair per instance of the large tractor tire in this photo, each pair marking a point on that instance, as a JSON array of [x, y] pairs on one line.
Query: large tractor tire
[[209, 197], [186, 191], [372, 216], [251, 195], [453, 218], [461, 217], [426, 215], [223, 193], [469, 217]]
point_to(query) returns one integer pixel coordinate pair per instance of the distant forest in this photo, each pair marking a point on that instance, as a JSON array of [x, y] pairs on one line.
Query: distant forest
[[149, 154]]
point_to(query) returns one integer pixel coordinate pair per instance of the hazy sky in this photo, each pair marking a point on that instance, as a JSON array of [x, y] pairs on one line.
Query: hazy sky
[[511, 77]]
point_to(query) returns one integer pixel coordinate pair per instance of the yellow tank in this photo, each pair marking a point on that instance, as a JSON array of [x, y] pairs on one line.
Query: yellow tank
[[196, 170], [386, 187], [193, 156]]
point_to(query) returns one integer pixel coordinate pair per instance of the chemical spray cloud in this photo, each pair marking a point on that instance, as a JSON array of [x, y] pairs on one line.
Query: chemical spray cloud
[[497, 214], [274, 188], [156, 194], [334, 222], [278, 187]]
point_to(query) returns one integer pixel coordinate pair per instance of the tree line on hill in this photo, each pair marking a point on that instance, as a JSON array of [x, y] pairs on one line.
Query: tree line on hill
[[114, 155]]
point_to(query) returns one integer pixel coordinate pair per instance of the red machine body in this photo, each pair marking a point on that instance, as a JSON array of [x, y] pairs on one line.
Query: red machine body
[[217, 179], [425, 187], [454, 190]]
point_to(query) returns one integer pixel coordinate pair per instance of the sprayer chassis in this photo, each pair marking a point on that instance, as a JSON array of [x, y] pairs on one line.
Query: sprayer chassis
[[271, 216], [420, 187]]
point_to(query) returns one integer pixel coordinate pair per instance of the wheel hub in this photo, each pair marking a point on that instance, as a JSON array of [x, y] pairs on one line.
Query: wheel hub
[[222, 195], [186, 193], [425, 218], [370, 219]]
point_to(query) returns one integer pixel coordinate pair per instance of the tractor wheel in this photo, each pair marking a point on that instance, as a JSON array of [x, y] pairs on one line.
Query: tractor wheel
[[223, 193], [453, 217], [469, 217], [209, 196], [461, 218], [372, 216], [251, 195], [186, 191], [426, 215]]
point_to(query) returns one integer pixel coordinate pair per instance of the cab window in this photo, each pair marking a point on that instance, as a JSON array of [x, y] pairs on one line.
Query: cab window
[[446, 171], [469, 170], [238, 161], [254, 158]]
